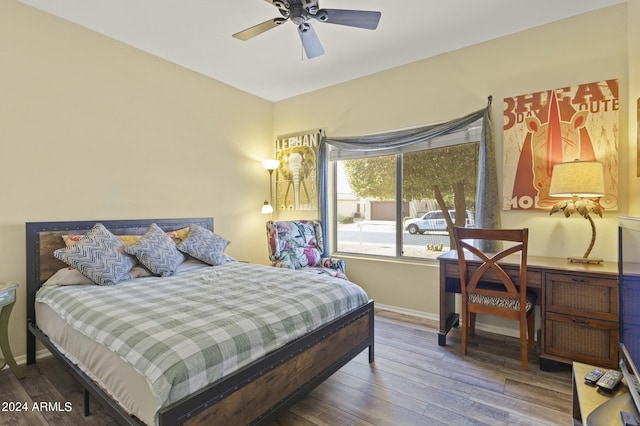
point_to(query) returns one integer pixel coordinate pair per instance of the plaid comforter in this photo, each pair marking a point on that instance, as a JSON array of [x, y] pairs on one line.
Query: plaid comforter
[[186, 331]]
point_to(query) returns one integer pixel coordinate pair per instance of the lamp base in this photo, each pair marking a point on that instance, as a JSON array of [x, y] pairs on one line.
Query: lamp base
[[585, 260]]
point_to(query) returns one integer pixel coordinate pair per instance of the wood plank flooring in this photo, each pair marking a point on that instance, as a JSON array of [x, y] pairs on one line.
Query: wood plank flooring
[[412, 382]]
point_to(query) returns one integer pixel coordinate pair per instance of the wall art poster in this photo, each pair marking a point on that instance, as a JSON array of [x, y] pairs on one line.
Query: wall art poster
[[545, 128], [297, 175]]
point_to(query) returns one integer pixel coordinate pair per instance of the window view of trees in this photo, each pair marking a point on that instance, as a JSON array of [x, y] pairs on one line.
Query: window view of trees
[[367, 197]]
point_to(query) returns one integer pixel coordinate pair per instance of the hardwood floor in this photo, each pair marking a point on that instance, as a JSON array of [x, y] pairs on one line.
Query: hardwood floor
[[412, 382]]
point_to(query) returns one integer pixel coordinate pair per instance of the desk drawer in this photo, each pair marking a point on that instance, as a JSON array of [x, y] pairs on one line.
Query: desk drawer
[[581, 339], [582, 295], [534, 276]]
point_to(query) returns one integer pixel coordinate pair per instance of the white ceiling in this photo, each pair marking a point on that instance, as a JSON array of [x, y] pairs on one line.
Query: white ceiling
[[197, 35]]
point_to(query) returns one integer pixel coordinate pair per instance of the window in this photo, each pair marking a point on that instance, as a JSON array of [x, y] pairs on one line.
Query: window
[[366, 206], [386, 205]]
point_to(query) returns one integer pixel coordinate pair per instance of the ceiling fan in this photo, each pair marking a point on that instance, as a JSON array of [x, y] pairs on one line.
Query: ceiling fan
[[301, 11]]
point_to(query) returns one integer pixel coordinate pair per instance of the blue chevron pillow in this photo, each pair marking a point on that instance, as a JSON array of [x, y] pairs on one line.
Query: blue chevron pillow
[[157, 252], [99, 255], [204, 245]]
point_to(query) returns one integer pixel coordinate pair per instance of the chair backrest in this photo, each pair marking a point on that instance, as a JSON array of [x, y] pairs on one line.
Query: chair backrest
[[489, 269], [296, 243]]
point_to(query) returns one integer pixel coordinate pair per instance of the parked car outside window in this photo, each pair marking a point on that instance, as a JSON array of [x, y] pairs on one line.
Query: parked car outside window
[[434, 221]]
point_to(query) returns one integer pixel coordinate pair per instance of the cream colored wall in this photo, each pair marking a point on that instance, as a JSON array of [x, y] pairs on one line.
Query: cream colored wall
[[586, 48], [93, 129]]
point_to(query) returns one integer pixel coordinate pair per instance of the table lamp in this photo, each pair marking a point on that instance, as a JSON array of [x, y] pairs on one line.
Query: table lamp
[[582, 181]]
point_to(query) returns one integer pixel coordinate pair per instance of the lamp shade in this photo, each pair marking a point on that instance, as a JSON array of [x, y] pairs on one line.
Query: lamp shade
[[270, 164], [580, 178], [266, 208]]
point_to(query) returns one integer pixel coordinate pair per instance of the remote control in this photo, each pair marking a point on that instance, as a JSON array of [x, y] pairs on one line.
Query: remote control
[[593, 376], [628, 419], [610, 380]]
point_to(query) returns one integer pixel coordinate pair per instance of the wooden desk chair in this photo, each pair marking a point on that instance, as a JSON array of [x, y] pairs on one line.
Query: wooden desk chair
[[488, 289]]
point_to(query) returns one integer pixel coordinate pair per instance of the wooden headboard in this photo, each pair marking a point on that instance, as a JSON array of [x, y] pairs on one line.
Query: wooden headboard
[[45, 237]]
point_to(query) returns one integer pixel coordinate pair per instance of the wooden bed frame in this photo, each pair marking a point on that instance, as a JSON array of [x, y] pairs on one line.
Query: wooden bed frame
[[255, 394]]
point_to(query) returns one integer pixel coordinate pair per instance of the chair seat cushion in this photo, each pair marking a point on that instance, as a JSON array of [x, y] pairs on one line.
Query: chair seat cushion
[[502, 302]]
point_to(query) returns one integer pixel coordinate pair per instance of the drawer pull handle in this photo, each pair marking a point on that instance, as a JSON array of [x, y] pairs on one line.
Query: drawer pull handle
[[580, 280], [579, 321]]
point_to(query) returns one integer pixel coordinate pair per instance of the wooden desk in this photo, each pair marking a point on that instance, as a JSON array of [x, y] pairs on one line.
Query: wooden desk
[[578, 302]]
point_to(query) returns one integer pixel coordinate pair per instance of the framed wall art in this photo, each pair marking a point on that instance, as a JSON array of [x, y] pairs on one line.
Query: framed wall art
[[297, 175], [544, 128]]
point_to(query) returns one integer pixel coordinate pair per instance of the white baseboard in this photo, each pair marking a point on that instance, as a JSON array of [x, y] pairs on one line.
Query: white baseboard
[[405, 311], [506, 331], [22, 359]]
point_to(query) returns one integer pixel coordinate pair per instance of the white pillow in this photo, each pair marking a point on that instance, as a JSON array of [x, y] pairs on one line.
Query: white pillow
[[67, 276]]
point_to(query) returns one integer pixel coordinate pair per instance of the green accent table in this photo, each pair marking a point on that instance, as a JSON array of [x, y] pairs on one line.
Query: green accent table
[[7, 298]]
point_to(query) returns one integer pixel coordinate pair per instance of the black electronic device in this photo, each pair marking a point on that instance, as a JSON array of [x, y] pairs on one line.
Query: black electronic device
[[629, 303], [629, 308], [593, 376], [609, 380]]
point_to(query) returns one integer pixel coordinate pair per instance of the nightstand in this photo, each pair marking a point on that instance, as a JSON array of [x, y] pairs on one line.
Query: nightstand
[[7, 298], [598, 408]]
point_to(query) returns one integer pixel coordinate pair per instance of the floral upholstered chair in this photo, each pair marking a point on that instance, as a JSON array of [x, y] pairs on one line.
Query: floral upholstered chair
[[297, 244]]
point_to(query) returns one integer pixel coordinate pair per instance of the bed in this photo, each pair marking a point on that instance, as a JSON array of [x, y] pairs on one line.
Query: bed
[[253, 393]]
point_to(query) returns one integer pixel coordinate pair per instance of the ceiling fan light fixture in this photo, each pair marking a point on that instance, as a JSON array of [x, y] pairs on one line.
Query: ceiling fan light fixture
[[301, 11], [298, 15]]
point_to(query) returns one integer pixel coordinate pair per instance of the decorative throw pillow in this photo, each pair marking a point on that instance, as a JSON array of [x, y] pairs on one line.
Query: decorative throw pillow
[[98, 255], [70, 240], [204, 245], [157, 252], [178, 235]]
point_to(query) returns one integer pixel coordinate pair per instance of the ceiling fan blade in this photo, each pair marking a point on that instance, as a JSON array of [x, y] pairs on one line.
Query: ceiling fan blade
[[352, 18], [283, 5], [310, 41], [259, 29]]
